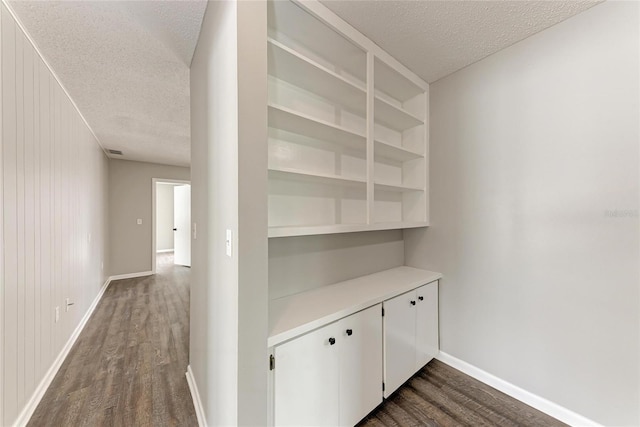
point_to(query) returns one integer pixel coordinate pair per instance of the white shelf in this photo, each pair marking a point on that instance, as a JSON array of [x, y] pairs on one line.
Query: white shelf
[[320, 120], [305, 230], [393, 152], [292, 121], [288, 65], [297, 26], [320, 178], [394, 117], [295, 315], [397, 188]]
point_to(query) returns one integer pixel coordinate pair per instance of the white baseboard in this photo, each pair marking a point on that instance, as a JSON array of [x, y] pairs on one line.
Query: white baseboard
[[33, 402], [131, 275], [161, 251], [541, 404], [195, 396]]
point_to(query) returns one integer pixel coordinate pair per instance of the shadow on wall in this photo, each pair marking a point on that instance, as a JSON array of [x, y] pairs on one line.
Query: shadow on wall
[[297, 264]]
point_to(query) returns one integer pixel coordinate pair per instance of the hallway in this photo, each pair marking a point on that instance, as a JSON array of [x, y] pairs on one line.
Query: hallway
[[128, 366]]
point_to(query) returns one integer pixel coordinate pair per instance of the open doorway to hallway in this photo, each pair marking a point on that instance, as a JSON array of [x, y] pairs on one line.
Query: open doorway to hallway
[[171, 219]]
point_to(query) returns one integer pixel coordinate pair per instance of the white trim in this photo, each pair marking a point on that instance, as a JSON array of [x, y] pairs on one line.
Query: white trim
[[33, 402], [130, 275], [155, 181], [195, 396], [53, 73], [550, 408], [162, 251]]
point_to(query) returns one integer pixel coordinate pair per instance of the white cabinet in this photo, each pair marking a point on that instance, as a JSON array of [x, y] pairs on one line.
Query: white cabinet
[[427, 338], [399, 341], [307, 381], [331, 376], [348, 129], [410, 334], [360, 364], [332, 347]]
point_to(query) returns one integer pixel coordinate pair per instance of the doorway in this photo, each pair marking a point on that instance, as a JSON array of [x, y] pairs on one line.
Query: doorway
[[171, 219]]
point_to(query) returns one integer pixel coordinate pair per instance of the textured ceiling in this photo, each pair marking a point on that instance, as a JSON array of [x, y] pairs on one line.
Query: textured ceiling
[[126, 65], [436, 38]]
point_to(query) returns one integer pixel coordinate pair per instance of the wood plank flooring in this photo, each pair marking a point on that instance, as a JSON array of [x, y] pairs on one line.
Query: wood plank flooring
[[440, 395], [127, 369], [128, 366]]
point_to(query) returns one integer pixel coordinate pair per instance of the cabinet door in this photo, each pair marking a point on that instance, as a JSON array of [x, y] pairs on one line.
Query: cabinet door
[[426, 324], [306, 379], [360, 364], [399, 340]]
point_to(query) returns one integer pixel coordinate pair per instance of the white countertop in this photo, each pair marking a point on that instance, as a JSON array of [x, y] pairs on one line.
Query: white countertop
[[300, 313]]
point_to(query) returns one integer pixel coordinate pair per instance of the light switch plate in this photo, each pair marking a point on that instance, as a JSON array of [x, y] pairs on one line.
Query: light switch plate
[[228, 242], [139, 221]]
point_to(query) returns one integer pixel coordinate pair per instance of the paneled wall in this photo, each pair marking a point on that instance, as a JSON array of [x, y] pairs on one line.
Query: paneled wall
[[54, 177]]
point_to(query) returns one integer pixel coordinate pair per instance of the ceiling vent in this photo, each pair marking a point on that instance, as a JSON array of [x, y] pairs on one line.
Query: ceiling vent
[[116, 152]]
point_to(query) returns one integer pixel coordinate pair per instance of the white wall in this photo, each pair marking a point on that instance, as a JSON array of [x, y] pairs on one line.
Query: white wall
[[54, 177], [164, 217], [130, 194], [298, 264], [532, 149], [229, 191]]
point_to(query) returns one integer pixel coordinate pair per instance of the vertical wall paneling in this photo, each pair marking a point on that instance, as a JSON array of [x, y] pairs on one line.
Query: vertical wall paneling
[[57, 214], [29, 250], [47, 214], [20, 209], [53, 177], [1, 241], [43, 219], [37, 347], [10, 234]]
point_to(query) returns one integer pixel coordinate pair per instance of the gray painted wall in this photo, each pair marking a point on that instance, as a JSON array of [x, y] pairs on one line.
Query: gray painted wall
[[228, 329], [164, 217], [298, 264], [130, 189], [534, 211]]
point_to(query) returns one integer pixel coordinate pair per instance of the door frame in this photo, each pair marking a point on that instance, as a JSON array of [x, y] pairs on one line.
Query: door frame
[[155, 181]]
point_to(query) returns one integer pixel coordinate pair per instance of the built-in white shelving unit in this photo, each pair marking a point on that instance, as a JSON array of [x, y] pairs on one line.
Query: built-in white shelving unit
[[348, 131]]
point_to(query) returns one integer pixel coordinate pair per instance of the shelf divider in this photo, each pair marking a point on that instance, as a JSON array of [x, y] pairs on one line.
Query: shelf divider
[[398, 188], [394, 117], [320, 178], [394, 152]]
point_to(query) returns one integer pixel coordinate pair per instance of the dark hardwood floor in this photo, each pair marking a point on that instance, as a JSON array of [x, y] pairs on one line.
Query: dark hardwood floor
[[440, 395], [128, 366]]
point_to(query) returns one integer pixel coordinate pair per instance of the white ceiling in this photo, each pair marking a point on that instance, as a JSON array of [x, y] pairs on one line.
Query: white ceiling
[[437, 38], [126, 65]]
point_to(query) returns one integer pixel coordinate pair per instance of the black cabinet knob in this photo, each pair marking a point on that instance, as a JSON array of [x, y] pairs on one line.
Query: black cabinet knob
[[332, 341], [175, 229], [413, 302], [421, 298], [349, 332]]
